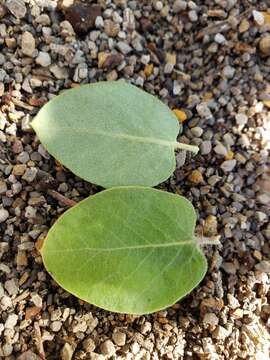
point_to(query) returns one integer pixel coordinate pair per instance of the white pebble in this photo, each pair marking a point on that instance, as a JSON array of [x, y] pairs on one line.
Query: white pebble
[[258, 17], [43, 59], [3, 215], [220, 39]]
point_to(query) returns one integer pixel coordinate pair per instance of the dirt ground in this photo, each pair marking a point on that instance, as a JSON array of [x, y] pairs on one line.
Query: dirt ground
[[211, 61]]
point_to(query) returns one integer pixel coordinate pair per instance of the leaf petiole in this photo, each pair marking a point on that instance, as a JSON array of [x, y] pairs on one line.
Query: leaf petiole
[[182, 146]]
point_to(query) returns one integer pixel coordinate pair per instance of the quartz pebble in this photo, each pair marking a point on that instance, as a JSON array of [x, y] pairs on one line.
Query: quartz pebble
[[107, 348], [43, 59], [119, 338], [28, 44], [228, 165], [16, 7], [3, 215]]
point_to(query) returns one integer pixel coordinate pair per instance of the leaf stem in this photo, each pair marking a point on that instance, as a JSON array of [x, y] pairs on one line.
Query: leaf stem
[[203, 240], [182, 146]]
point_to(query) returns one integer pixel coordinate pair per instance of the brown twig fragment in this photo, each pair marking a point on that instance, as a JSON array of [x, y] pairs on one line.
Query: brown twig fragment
[[61, 198]]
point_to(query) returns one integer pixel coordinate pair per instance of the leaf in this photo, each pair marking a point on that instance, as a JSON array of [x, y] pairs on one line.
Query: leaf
[[111, 134], [127, 249]]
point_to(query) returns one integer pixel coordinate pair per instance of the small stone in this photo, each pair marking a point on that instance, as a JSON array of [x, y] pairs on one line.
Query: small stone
[[228, 165], [220, 149], [7, 349], [89, 345], [107, 348], [210, 319], [258, 17], [179, 5], [56, 326], [197, 131], [241, 119], [210, 226], [220, 333], [43, 59], [17, 8], [28, 355], [21, 258], [204, 111], [37, 300], [67, 352], [82, 17], [59, 72], [19, 170], [261, 216], [30, 174], [4, 214], [220, 39], [3, 187], [193, 17], [229, 268], [180, 114], [124, 47], [11, 321], [206, 147], [195, 177], [158, 5], [244, 26], [263, 266], [11, 287], [264, 45], [146, 327], [119, 338], [228, 72], [23, 157], [28, 44], [111, 28]]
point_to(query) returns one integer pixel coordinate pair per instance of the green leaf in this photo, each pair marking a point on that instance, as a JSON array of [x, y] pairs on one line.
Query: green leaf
[[128, 250], [111, 134]]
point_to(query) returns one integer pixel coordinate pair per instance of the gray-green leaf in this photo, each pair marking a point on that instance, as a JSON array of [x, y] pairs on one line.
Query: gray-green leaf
[[111, 134], [128, 250]]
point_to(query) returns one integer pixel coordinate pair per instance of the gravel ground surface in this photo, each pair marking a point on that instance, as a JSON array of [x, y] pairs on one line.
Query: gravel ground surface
[[210, 60]]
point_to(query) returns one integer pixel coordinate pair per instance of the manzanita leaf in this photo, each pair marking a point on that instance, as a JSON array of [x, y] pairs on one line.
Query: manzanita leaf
[[111, 134], [128, 250]]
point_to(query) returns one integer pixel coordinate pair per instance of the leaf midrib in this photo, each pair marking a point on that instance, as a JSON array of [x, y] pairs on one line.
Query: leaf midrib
[[134, 247], [143, 139]]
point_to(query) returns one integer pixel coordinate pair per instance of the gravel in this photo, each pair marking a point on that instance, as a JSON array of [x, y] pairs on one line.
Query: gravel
[[209, 61]]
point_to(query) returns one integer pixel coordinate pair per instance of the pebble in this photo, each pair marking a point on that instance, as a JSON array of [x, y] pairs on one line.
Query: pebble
[[30, 174], [11, 321], [28, 44], [4, 214], [3, 187], [228, 165], [119, 338], [220, 333], [43, 59], [124, 47], [258, 17], [56, 326], [210, 319], [195, 177], [82, 17], [220, 39], [228, 72], [67, 352], [197, 131], [193, 16], [204, 111], [263, 266], [107, 348], [89, 345], [206, 147], [264, 45], [179, 5], [17, 8], [23, 157], [241, 119], [210, 226], [11, 287], [220, 149]]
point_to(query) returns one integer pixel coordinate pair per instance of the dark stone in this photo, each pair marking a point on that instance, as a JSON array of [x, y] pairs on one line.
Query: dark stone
[[82, 17], [112, 61]]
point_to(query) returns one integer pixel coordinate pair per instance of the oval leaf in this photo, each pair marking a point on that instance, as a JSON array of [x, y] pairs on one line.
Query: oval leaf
[[128, 250], [111, 134]]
